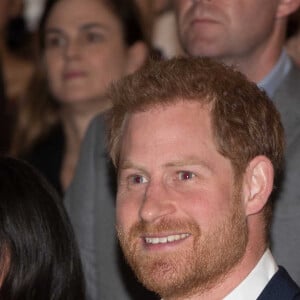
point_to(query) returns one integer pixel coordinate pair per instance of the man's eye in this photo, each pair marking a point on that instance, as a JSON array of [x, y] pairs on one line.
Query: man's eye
[[138, 179], [185, 175]]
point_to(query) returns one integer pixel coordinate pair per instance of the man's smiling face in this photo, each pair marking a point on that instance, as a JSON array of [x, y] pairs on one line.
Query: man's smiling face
[[180, 217]]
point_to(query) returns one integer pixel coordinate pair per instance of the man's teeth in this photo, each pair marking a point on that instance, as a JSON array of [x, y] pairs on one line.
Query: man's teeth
[[167, 239]]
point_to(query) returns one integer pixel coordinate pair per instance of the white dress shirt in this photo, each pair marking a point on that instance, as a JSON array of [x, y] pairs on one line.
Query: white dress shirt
[[252, 286]]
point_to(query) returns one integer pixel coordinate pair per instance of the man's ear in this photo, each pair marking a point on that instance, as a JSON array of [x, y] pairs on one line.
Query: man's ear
[[137, 56], [257, 184], [287, 7]]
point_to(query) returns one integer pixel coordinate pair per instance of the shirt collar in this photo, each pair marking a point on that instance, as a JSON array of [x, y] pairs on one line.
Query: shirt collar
[[271, 82], [252, 286]]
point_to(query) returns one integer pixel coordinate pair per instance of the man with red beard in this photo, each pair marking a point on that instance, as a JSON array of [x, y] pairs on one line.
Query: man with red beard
[[249, 34], [196, 147]]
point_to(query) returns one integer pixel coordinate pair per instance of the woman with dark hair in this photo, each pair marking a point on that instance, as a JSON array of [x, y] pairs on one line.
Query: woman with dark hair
[[84, 46], [39, 258]]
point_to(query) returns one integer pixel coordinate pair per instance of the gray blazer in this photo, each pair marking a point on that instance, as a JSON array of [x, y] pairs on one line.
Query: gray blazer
[[90, 203]]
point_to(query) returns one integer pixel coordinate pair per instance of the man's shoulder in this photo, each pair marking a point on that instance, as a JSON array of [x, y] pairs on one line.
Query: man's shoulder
[[281, 286]]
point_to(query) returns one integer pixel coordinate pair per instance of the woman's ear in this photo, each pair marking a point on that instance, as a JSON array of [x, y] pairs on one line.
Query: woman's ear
[[257, 184], [287, 7], [137, 56]]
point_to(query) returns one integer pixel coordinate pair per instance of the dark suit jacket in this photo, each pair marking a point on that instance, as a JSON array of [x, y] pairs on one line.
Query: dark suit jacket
[[90, 203], [280, 287]]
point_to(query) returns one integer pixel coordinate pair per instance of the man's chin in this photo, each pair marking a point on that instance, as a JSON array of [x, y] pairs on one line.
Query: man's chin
[[164, 275], [160, 277], [204, 48]]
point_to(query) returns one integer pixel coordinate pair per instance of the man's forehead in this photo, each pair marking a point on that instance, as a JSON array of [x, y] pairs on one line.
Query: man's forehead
[[161, 122], [170, 105]]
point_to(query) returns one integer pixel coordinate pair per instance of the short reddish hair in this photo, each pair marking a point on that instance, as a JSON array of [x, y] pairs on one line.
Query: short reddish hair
[[244, 120]]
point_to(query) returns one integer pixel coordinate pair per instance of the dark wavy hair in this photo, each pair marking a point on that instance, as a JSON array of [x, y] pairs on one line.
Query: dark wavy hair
[[39, 258]]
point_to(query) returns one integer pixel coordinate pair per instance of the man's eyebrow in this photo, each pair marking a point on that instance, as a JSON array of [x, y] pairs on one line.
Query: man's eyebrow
[[127, 164], [190, 161]]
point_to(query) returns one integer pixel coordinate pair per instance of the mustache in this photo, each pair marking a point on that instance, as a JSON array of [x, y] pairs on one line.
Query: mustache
[[143, 228]]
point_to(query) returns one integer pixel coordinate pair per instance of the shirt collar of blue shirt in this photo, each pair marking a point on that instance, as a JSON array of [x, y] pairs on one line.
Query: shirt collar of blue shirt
[[271, 82]]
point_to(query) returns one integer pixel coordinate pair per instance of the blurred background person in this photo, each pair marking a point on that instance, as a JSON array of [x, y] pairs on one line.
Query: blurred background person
[[16, 64], [164, 36], [16, 49], [39, 258], [33, 10], [83, 47], [159, 20]]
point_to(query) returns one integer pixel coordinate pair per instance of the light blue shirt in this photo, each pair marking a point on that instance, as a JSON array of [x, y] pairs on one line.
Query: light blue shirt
[[271, 82]]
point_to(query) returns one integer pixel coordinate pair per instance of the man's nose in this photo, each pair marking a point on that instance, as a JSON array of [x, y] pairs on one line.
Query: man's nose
[[157, 203]]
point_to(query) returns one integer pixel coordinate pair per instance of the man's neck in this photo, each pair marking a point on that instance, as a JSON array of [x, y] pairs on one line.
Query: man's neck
[[273, 80], [256, 68], [259, 61]]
